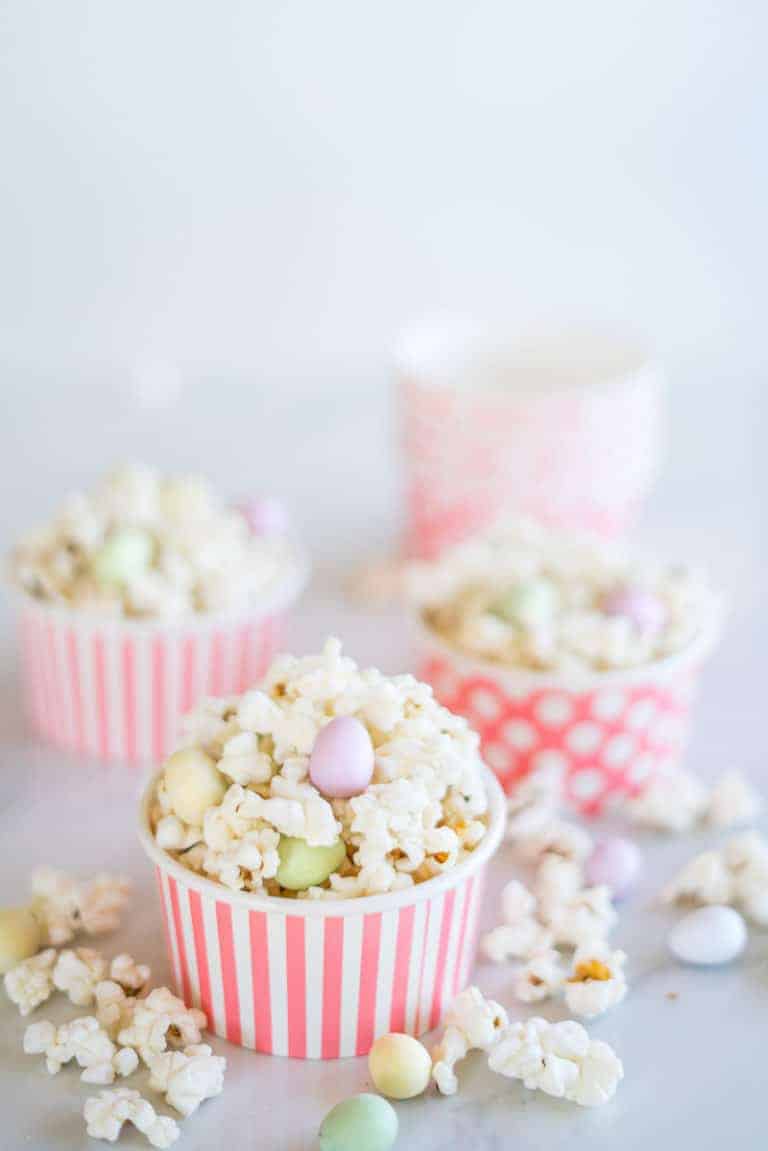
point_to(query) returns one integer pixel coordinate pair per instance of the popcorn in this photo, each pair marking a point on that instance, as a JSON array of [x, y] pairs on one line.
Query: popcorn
[[66, 906], [77, 973], [558, 880], [30, 983], [733, 802], [736, 875], [422, 813], [128, 973], [106, 1114], [534, 802], [555, 837], [159, 1019], [524, 596], [559, 1059], [114, 1008], [596, 981], [589, 915], [188, 1077], [472, 1023], [704, 879], [541, 977], [671, 802], [151, 546], [83, 1040], [520, 935]]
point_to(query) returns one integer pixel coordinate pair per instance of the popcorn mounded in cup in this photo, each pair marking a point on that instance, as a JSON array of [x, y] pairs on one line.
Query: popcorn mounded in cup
[[152, 546], [327, 781]]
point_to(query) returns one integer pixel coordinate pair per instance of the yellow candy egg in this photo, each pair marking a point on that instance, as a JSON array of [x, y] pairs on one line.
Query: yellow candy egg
[[20, 936], [400, 1066], [192, 784]]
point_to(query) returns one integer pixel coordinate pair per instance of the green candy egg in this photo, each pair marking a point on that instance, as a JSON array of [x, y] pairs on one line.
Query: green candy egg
[[125, 555], [527, 604], [362, 1123], [302, 866]]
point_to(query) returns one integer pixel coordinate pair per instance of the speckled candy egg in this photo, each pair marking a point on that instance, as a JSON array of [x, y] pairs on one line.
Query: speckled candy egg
[[341, 763], [124, 556], [529, 604], [303, 866], [615, 862], [645, 610], [362, 1123], [708, 936], [400, 1066], [265, 516]]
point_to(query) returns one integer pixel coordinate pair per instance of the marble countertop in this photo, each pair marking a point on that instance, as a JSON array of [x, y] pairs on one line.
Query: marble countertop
[[692, 1041]]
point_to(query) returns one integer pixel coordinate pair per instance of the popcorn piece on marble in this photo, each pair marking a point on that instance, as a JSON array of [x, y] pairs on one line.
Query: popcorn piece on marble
[[747, 858], [65, 905], [77, 973], [704, 879], [161, 1019], [114, 1007], [733, 802], [558, 880], [534, 802], [596, 981], [188, 1077], [541, 977], [30, 983], [521, 934], [555, 837], [671, 802], [132, 976], [559, 1059], [83, 1040], [589, 915], [473, 1022], [106, 1114]]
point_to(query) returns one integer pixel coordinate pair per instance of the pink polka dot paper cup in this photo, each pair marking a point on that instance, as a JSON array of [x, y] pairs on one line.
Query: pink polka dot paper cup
[[115, 688], [609, 732], [322, 979], [567, 431]]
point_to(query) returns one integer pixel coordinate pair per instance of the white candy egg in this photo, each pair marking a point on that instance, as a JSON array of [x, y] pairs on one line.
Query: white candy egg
[[708, 936], [192, 784]]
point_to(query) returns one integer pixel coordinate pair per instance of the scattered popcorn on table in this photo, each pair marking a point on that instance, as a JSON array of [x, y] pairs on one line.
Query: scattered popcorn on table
[[106, 1114], [128, 973], [674, 801], [114, 1007], [555, 837], [559, 1059], [558, 880], [161, 1019], [541, 977], [30, 983], [733, 802], [589, 915], [65, 906], [535, 801], [83, 1040], [77, 973], [148, 545], [187, 1077], [521, 934], [525, 596], [737, 874], [472, 1023], [596, 981], [704, 879], [234, 802]]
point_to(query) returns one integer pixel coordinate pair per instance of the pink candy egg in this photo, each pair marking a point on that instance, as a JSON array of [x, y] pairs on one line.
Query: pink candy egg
[[265, 516], [616, 863], [643, 608], [341, 763]]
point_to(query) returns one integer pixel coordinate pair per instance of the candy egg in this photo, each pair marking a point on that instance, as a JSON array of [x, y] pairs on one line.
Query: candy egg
[[708, 936], [125, 555], [645, 610], [362, 1123], [265, 516], [302, 866], [341, 763], [192, 784], [616, 863], [20, 936], [400, 1066], [528, 604]]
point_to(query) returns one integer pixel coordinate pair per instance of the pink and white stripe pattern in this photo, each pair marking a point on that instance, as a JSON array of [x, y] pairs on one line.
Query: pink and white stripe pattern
[[116, 689], [317, 986]]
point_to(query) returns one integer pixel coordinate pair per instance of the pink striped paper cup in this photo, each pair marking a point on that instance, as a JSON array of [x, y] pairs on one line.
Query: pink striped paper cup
[[322, 979], [567, 431], [116, 688], [609, 732]]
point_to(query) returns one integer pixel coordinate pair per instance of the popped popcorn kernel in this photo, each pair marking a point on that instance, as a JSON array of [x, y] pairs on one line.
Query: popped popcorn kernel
[[105, 1115], [30, 983]]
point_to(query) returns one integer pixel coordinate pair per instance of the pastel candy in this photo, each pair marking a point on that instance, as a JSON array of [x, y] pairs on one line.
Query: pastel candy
[[615, 863], [125, 555], [362, 1123], [400, 1066], [646, 611], [302, 866], [341, 763], [20, 936], [530, 604], [708, 936], [265, 516], [192, 784]]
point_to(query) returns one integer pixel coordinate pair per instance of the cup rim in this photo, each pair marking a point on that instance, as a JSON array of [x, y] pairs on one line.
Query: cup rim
[[311, 908], [279, 596], [519, 678]]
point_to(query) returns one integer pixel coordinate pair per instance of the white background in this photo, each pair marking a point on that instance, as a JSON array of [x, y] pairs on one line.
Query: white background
[[250, 199]]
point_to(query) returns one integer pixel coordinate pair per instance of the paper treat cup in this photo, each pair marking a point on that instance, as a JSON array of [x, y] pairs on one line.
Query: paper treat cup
[[322, 979], [609, 732], [116, 688], [567, 432]]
